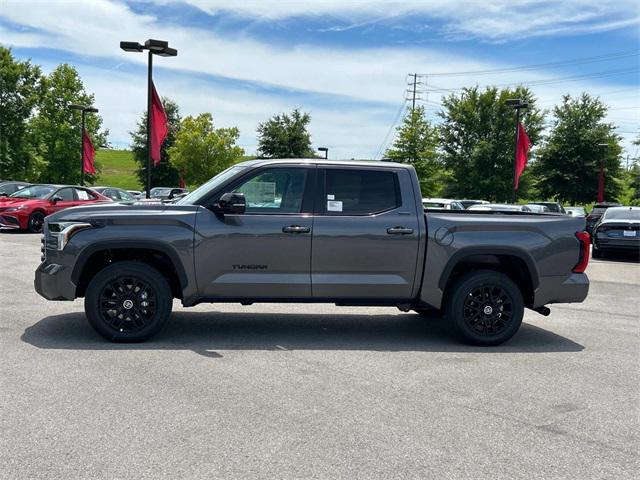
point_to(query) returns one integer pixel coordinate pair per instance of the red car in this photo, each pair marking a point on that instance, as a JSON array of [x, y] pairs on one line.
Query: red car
[[26, 208]]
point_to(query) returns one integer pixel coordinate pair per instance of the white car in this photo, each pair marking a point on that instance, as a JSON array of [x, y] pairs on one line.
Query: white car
[[441, 204], [499, 207]]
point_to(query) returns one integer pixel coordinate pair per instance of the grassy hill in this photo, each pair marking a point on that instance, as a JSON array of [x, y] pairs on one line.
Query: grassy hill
[[118, 169]]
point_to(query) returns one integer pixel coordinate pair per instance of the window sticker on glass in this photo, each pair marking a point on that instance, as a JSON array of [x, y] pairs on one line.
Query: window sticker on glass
[[334, 206], [260, 193], [331, 197], [82, 195]]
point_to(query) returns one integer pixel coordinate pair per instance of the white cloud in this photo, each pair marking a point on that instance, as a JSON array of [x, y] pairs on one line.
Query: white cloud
[[491, 19], [372, 78]]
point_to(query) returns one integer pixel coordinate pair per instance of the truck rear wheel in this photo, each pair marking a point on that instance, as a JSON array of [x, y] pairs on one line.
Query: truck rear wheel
[[128, 302], [485, 307]]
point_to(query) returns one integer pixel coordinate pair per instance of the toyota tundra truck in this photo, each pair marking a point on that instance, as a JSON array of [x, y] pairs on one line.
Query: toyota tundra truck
[[346, 233]]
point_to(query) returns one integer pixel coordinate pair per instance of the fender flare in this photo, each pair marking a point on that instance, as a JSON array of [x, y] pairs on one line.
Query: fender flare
[[124, 244], [472, 251]]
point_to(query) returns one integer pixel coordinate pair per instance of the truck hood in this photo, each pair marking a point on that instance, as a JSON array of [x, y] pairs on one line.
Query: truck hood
[[118, 213]]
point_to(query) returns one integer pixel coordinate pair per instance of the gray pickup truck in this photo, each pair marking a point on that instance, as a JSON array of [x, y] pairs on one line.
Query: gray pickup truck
[[349, 233]]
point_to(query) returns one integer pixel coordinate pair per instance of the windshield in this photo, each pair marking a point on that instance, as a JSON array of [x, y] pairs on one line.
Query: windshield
[[200, 192], [160, 192], [36, 191], [622, 214]]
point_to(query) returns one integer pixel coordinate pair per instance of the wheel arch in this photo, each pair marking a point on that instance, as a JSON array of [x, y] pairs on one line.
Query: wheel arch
[[156, 254], [517, 264]]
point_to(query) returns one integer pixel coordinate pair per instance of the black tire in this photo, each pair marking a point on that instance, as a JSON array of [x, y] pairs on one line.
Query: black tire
[[596, 252], [36, 221], [128, 302], [485, 307]]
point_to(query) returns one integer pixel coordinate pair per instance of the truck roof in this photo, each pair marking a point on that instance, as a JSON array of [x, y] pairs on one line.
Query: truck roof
[[321, 161]]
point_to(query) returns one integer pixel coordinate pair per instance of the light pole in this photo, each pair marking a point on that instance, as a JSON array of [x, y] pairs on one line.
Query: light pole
[[155, 47], [517, 104], [84, 110], [604, 147], [325, 150]]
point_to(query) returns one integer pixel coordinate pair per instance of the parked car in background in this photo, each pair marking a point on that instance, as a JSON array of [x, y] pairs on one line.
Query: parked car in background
[[596, 212], [166, 193], [536, 208], [576, 211], [467, 203], [136, 194], [552, 206], [499, 207], [618, 228], [115, 194], [8, 187], [441, 204], [26, 208]]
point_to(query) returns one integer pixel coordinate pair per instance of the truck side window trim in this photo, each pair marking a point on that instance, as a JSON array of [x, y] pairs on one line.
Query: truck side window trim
[[322, 198]]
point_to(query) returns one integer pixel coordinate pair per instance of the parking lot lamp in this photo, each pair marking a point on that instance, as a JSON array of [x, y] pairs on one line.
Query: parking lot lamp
[[162, 49], [84, 110], [603, 147]]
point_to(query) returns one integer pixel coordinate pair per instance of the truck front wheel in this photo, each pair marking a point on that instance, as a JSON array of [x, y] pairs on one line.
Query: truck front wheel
[[485, 307], [128, 302]]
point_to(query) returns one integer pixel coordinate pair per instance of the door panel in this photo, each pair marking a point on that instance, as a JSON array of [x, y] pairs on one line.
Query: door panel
[[266, 252], [365, 256]]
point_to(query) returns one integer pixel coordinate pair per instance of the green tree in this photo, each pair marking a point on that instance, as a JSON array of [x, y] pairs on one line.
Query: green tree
[[202, 151], [415, 144], [20, 89], [285, 136], [569, 162], [57, 128], [164, 174], [477, 138], [630, 194]]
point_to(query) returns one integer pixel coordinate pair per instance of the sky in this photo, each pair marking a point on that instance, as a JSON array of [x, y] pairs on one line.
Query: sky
[[346, 62]]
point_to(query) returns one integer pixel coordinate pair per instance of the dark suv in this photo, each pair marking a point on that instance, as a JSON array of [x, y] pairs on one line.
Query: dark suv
[[596, 213]]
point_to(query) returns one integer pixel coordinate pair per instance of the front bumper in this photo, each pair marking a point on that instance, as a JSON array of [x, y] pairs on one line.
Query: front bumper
[[9, 221], [572, 289], [53, 282]]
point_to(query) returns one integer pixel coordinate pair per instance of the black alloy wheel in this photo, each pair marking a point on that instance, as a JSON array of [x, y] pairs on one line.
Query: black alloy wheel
[[485, 307], [36, 222], [488, 310], [128, 302]]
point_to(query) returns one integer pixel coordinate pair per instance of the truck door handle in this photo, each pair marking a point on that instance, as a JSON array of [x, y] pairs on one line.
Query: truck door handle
[[399, 231], [296, 229]]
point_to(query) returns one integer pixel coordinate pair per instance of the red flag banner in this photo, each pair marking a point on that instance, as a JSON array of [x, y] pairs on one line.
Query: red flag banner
[[159, 125], [88, 154], [522, 149], [601, 185]]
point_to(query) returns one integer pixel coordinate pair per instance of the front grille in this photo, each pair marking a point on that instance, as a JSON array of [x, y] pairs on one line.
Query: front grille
[[7, 220]]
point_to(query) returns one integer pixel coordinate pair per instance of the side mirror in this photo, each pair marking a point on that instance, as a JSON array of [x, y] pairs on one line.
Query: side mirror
[[55, 199], [233, 203]]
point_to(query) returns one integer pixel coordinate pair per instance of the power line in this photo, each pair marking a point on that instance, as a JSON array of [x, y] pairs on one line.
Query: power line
[[549, 81], [384, 143], [575, 61]]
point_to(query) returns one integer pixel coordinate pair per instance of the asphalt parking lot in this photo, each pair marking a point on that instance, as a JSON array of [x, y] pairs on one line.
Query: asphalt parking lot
[[317, 391]]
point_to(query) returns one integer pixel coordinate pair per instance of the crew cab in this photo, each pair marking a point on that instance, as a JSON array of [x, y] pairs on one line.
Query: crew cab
[[348, 233]]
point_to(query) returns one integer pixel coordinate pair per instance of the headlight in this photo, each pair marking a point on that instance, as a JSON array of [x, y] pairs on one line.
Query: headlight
[[16, 209], [65, 230]]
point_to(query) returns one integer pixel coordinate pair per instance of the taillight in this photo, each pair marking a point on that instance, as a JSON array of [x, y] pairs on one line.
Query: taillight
[[583, 258]]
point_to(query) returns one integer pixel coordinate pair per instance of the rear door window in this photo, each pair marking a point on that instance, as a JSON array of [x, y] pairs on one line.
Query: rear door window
[[360, 192]]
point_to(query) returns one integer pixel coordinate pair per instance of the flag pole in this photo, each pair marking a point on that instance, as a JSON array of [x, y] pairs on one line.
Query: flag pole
[[149, 87], [82, 149], [515, 153]]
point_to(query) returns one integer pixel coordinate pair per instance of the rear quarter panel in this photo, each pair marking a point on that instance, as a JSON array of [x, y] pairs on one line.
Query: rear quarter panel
[[546, 243]]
